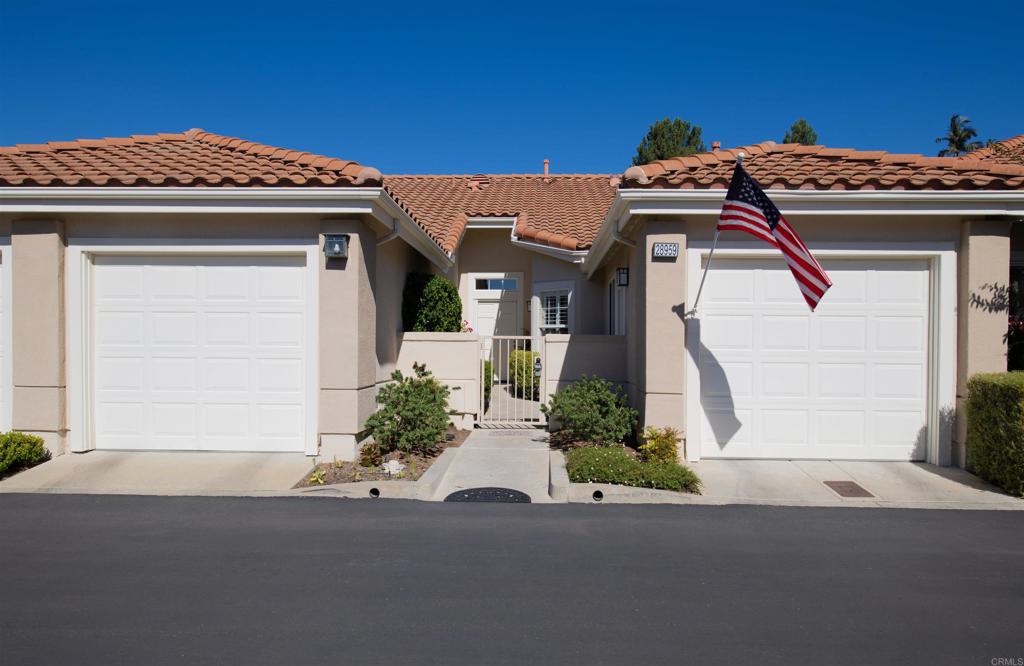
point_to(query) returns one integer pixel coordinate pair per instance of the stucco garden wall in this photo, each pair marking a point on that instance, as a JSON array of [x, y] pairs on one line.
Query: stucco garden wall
[[454, 359]]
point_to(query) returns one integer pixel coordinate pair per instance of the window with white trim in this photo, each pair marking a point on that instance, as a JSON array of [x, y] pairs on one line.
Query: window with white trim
[[554, 311], [553, 307]]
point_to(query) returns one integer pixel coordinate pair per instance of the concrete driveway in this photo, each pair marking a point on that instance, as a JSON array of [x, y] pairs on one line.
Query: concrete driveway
[[803, 483], [163, 473]]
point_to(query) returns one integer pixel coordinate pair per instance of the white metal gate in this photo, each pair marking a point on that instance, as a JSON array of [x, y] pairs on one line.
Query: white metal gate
[[512, 381]]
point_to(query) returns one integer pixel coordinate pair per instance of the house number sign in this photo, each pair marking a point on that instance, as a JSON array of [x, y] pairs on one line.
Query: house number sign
[[665, 251]]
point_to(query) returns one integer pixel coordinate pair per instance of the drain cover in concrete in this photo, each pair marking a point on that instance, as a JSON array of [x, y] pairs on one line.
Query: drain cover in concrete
[[848, 489], [489, 495]]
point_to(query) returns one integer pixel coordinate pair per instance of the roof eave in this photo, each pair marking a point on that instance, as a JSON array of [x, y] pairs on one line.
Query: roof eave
[[630, 203]]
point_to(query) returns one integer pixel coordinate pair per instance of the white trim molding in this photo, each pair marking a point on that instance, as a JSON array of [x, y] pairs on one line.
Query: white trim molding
[[333, 201], [942, 340], [78, 275], [630, 203]]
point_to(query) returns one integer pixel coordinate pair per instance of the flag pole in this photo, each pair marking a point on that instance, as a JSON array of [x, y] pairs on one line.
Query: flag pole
[[693, 310], [714, 244]]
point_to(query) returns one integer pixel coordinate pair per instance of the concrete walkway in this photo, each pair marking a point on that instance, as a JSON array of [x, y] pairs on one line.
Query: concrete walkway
[[516, 459], [163, 473]]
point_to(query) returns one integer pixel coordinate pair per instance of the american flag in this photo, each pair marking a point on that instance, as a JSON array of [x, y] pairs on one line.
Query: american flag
[[747, 208]]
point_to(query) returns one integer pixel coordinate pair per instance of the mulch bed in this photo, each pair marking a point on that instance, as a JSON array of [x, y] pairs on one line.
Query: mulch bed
[[415, 465]]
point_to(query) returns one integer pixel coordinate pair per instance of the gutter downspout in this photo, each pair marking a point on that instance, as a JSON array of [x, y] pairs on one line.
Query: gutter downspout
[[622, 239], [391, 236]]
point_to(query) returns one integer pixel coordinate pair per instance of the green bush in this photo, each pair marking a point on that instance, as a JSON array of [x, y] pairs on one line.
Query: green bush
[[592, 410], [488, 381], [660, 444], [18, 451], [613, 464], [431, 303], [520, 373], [413, 413], [995, 429]]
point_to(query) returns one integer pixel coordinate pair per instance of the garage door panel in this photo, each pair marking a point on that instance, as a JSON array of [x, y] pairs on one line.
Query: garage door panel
[[208, 354], [849, 381], [898, 333]]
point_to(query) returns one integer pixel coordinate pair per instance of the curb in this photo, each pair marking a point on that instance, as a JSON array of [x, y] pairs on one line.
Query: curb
[[558, 477]]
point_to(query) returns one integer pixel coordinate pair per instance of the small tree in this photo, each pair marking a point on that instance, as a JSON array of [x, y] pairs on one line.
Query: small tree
[[801, 132], [669, 138], [431, 303], [413, 413], [960, 137]]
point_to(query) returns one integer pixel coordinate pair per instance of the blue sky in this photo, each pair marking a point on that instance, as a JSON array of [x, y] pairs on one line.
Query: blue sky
[[452, 87]]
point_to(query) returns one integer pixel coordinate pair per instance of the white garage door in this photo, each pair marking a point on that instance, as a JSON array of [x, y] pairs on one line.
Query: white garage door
[[199, 353], [847, 382]]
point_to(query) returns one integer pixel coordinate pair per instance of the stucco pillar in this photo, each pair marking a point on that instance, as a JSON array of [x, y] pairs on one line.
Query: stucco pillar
[[663, 353], [983, 264], [40, 384], [348, 334]]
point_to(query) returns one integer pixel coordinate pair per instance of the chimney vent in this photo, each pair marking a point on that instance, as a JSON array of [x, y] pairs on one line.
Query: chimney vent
[[715, 145], [546, 163]]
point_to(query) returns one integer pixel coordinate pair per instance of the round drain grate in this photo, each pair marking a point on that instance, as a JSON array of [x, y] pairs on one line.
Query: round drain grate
[[489, 495]]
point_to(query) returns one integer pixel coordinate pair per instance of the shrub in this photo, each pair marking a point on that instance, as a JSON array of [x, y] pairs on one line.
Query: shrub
[[19, 450], [614, 464], [520, 372], [413, 413], [488, 381], [995, 429], [431, 303], [660, 444], [593, 410]]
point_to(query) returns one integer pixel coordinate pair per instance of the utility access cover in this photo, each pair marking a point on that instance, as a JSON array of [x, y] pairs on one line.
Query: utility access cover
[[489, 495]]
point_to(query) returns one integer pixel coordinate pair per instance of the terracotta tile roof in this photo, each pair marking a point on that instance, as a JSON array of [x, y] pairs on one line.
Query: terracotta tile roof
[[1010, 151], [191, 159], [564, 211], [793, 166]]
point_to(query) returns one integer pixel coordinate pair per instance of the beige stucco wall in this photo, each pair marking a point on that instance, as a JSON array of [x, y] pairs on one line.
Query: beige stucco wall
[[395, 260], [491, 251], [38, 332], [568, 357], [983, 278]]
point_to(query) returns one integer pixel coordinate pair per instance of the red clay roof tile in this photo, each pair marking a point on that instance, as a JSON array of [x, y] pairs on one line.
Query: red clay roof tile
[[189, 159], [787, 166], [564, 211], [1008, 151]]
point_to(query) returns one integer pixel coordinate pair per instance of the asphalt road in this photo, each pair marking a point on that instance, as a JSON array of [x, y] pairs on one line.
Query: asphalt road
[[147, 580]]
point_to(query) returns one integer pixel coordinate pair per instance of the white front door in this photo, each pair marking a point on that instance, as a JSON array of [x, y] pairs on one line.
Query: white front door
[[847, 382], [199, 352]]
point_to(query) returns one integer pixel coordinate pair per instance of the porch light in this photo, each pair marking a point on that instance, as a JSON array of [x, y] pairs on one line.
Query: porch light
[[622, 277], [336, 246]]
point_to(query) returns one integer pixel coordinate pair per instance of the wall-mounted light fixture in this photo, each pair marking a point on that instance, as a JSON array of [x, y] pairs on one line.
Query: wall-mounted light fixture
[[622, 277], [336, 246]]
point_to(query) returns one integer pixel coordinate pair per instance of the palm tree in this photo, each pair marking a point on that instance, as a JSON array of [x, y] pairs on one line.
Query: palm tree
[[960, 137]]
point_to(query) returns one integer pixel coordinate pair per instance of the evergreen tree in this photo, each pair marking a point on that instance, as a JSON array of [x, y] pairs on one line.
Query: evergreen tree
[[801, 132], [667, 138]]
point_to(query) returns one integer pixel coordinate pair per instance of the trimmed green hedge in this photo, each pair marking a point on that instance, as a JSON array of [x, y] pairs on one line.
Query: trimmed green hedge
[[18, 451], [995, 429], [520, 373], [431, 304], [613, 464], [592, 410]]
